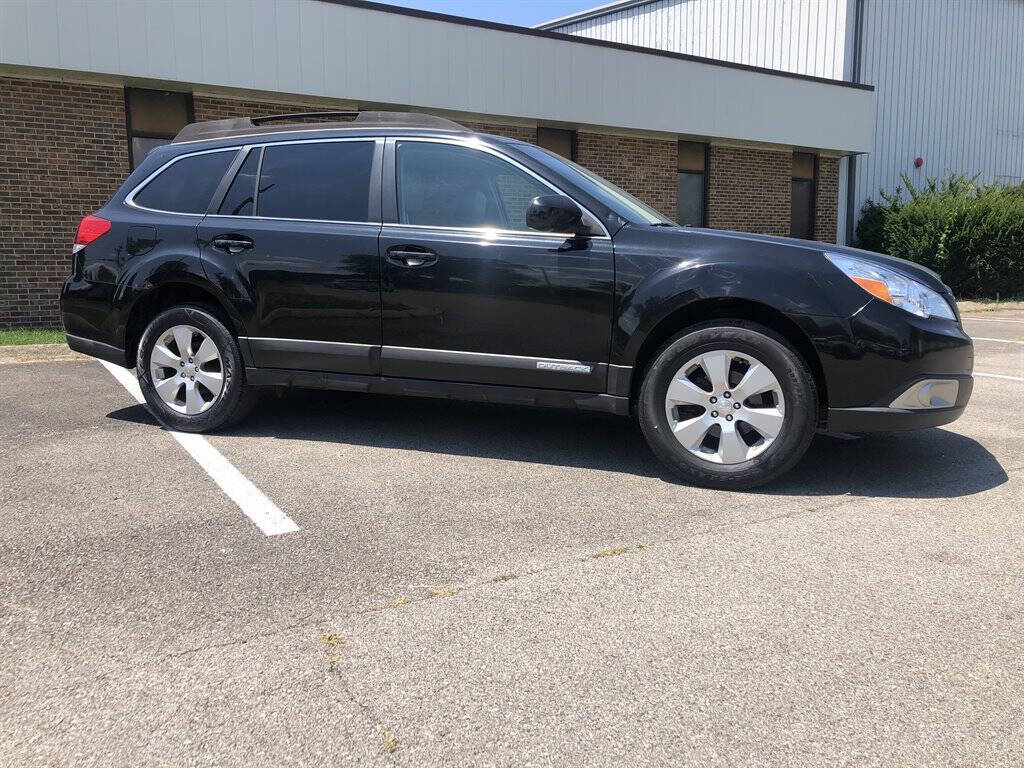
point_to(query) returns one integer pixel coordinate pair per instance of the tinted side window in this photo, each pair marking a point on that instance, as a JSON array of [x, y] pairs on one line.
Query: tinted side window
[[328, 180], [239, 199], [444, 185], [187, 185]]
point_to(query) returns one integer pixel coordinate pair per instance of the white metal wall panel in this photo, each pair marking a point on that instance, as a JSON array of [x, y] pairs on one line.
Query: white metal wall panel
[[803, 36], [373, 56], [950, 82]]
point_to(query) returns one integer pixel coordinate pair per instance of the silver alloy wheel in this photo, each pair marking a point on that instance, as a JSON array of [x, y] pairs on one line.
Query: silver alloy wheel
[[186, 368], [725, 407]]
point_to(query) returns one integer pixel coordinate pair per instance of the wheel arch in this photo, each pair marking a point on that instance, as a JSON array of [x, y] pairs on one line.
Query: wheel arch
[[703, 310], [167, 295]]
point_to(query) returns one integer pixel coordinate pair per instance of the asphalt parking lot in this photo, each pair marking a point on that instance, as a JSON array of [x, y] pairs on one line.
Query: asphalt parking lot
[[478, 585]]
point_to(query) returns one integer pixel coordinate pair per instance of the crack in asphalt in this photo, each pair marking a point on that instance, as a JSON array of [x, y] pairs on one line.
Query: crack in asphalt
[[560, 565]]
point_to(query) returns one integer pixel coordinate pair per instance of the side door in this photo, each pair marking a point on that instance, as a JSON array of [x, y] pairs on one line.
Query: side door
[[293, 238], [469, 292]]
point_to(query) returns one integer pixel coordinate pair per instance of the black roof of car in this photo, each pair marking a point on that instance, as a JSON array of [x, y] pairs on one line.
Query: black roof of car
[[304, 121]]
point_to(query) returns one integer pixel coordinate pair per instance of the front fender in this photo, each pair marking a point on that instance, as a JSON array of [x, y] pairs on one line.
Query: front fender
[[682, 284]]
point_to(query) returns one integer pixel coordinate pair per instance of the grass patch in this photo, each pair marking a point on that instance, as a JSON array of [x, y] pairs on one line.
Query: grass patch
[[18, 337], [990, 305], [390, 740], [610, 552], [440, 591], [332, 639]]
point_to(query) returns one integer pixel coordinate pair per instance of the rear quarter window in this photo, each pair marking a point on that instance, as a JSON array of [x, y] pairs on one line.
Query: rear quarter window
[[187, 185]]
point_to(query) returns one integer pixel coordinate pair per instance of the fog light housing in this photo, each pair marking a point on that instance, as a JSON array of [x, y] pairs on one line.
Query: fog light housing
[[929, 393]]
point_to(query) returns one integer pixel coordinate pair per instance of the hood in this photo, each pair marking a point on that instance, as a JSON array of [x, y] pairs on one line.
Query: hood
[[908, 268]]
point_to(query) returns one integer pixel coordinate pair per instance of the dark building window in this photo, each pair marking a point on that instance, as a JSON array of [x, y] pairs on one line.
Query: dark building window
[[801, 220], [559, 141], [691, 183], [324, 180], [187, 185], [154, 118]]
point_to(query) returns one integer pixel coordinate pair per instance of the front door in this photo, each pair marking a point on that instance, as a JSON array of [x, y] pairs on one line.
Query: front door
[[302, 244], [469, 293]]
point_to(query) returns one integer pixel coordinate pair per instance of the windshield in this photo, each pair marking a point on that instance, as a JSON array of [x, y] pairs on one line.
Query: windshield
[[620, 201]]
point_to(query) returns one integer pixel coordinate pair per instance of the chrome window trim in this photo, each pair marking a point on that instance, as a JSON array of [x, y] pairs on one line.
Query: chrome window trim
[[475, 144], [282, 218], [468, 143], [485, 231], [130, 198]]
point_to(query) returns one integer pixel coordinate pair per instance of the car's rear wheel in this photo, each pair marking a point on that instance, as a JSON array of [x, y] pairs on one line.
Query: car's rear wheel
[[191, 372], [728, 405]]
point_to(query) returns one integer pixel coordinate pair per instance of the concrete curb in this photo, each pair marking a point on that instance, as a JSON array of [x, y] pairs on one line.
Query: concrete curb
[[38, 353]]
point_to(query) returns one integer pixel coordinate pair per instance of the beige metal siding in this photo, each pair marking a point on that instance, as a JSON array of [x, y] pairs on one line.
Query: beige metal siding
[[950, 81], [319, 49], [804, 36]]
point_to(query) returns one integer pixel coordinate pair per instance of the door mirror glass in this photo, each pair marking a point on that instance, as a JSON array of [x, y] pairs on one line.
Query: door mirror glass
[[556, 213]]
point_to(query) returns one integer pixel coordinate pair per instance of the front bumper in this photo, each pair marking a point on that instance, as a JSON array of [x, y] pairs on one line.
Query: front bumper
[[885, 352], [889, 419]]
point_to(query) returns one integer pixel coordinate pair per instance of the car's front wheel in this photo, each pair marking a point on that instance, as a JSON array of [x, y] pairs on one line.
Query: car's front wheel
[[728, 405], [191, 372]]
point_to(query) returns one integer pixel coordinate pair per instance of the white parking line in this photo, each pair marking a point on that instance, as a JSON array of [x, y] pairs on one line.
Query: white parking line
[[998, 376], [1001, 341], [250, 499]]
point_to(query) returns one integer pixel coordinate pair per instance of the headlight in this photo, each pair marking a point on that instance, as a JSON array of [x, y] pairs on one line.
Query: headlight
[[893, 287]]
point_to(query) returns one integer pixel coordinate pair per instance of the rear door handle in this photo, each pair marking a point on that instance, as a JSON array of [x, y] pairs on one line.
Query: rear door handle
[[405, 256], [232, 243]]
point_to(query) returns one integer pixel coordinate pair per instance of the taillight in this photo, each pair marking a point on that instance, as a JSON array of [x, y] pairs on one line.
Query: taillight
[[90, 228]]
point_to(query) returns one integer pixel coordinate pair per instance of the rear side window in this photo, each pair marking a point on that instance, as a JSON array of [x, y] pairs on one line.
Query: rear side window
[[326, 180], [240, 198], [187, 185]]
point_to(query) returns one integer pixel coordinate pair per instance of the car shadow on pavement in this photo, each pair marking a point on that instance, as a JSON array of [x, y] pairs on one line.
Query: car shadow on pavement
[[934, 463]]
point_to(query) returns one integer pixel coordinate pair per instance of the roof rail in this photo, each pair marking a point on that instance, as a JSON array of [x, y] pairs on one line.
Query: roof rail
[[301, 116], [237, 126]]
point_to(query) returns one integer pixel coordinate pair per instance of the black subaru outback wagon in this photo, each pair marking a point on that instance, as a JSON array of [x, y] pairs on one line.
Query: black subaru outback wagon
[[402, 253]]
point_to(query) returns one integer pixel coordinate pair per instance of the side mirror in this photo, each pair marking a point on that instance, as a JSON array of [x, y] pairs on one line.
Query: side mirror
[[556, 213]]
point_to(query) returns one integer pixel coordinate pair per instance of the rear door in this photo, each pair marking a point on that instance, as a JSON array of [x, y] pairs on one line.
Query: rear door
[[469, 292], [295, 235]]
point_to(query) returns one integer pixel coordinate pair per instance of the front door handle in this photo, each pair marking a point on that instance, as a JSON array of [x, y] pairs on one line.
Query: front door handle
[[232, 243], [406, 256]]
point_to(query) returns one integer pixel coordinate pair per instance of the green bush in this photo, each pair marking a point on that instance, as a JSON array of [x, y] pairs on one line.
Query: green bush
[[972, 235]]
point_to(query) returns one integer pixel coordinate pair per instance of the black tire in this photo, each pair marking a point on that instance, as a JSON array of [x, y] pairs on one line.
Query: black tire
[[235, 400], [800, 415]]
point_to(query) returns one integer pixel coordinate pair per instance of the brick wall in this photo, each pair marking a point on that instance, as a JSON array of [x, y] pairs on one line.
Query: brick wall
[[646, 168], [826, 204], [750, 190], [63, 153], [217, 108], [521, 132]]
